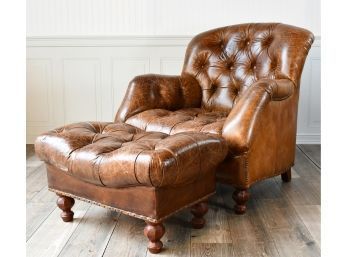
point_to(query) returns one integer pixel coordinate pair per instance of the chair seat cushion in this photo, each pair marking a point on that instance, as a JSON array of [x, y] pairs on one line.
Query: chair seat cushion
[[120, 155], [183, 120]]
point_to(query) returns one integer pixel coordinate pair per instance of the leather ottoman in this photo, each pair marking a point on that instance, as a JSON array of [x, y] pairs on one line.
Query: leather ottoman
[[148, 175]]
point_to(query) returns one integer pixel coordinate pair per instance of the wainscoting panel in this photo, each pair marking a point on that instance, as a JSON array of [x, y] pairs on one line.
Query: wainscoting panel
[[123, 71], [308, 130], [159, 17], [85, 78], [171, 66], [39, 86], [81, 89]]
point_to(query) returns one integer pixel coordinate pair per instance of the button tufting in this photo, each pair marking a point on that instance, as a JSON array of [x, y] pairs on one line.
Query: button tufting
[[267, 41], [236, 55], [235, 90]]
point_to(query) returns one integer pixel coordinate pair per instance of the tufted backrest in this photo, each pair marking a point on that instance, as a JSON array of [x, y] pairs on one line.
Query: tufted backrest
[[225, 61]]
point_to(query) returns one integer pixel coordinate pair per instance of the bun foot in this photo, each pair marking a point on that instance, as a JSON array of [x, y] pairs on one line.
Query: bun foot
[[65, 203], [240, 197], [198, 211], [286, 176], [154, 232]]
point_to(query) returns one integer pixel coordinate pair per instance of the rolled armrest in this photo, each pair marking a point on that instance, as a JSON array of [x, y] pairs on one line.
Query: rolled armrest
[[153, 91], [240, 124]]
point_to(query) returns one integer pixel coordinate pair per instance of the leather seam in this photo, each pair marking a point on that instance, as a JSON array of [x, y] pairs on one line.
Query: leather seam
[[149, 171], [176, 164], [98, 170], [135, 162], [157, 118], [170, 131]]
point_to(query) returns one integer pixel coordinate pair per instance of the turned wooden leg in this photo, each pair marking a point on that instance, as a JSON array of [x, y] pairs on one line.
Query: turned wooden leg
[[198, 211], [65, 203], [240, 197], [154, 232], [286, 176]]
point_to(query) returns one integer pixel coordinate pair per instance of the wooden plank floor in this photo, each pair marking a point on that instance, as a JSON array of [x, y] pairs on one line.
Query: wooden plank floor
[[282, 220]]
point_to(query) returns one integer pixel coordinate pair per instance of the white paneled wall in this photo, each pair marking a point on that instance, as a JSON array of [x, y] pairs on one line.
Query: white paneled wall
[[309, 105], [162, 17], [81, 54], [85, 78]]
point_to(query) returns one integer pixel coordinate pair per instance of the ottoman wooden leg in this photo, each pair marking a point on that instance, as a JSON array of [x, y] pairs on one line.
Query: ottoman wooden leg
[[199, 210], [65, 203], [240, 197], [286, 176], [154, 232]]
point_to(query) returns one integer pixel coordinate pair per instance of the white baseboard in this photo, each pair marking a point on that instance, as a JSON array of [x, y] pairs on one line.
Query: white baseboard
[[306, 139]]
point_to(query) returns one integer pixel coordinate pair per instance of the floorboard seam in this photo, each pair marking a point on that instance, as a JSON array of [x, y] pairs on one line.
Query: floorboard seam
[[74, 230], [308, 157], [41, 223], [116, 223], [34, 171]]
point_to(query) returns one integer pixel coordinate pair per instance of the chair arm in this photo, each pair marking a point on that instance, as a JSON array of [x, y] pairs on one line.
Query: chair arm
[[154, 91], [239, 127]]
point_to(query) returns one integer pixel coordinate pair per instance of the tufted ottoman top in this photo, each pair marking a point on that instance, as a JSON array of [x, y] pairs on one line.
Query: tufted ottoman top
[[119, 155]]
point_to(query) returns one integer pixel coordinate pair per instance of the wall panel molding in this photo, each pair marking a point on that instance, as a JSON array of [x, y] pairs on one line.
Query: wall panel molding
[[159, 17], [309, 115], [85, 77], [113, 41], [171, 65], [123, 71], [39, 85], [81, 78]]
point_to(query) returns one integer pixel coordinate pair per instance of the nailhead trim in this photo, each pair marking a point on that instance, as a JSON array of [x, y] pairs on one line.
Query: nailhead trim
[[132, 214], [259, 179]]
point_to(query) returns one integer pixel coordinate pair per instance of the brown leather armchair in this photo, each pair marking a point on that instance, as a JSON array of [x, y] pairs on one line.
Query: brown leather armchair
[[241, 82]]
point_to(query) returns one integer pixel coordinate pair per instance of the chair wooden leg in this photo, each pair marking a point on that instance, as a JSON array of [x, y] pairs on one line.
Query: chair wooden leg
[[65, 203], [154, 232], [286, 176], [240, 196], [198, 211]]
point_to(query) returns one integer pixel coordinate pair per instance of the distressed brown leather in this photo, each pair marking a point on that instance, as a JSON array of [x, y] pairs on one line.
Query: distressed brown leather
[[144, 202], [159, 92], [118, 155], [241, 82], [173, 122]]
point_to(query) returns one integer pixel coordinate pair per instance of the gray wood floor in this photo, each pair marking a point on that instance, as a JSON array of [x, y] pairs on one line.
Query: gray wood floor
[[282, 220]]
